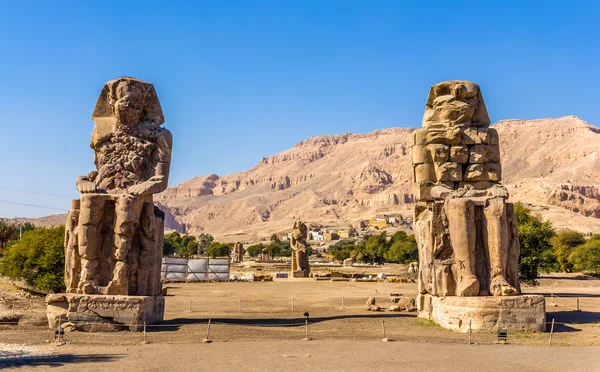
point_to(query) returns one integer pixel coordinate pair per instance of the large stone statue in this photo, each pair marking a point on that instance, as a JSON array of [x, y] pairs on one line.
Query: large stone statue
[[114, 233], [300, 264], [465, 229], [238, 252]]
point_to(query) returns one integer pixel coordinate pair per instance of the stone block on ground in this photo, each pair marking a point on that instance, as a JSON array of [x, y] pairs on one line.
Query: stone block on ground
[[101, 313]]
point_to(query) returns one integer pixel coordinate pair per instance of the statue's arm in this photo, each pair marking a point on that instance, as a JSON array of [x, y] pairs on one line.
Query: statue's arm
[[86, 184], [162, 164], [440, 192]]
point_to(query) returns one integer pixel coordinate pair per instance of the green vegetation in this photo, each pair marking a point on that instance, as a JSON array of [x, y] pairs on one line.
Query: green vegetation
[[7, 233], [184, 246], [586, 256], [217, 249], [38, 258], [204, 241], [535, 239], [400, 247], [564, 244], [255, 250]]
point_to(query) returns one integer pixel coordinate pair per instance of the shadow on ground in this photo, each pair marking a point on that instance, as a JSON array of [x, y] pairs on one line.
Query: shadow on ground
[[573, 317], [174, 324], [563, 295], [54, 360]]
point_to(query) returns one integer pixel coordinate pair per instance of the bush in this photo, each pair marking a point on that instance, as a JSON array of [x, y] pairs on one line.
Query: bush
[[184, 246], [38, 258], [535, 238], [586, 257], [255, 250], [219, 249], [564, 244]]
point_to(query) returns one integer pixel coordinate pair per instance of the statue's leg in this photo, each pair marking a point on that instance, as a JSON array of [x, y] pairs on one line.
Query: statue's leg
[[497, 234], [147, 248], [128, 208], [72, 259], [461, 220], [89, 237]]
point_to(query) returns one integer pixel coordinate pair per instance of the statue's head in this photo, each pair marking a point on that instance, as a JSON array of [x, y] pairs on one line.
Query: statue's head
[[300, 226], [126, 102], [455, 103]]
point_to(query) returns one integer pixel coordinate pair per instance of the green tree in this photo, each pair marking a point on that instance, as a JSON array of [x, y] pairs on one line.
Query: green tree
[[255, 250], [204, 241], [188, 248], [376, 246], [171, 243], [564, 244], [403, 250], [38, 258], [217, 249], [25, 226], [535, 238], [7, 233], [586, 257], [341, 250], [275, 239]]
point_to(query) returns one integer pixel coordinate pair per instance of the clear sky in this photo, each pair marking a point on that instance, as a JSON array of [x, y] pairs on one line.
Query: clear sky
[[239, 80]]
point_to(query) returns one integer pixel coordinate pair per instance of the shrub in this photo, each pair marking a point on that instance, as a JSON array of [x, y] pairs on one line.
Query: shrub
[[38, 258], [535, 236]]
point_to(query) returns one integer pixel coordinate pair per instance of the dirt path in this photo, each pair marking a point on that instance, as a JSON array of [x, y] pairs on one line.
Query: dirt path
[[316, 356]]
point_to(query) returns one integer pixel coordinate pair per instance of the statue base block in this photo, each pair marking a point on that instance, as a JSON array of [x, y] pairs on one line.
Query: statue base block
[[524, 313], [299, 274], [103, 313]]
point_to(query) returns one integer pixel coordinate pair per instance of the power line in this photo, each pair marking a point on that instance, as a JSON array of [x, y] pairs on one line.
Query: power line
[[37, 193], [33, 205]]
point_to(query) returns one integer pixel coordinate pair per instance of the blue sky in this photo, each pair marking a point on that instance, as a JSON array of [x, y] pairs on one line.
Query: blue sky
[[239, 80]]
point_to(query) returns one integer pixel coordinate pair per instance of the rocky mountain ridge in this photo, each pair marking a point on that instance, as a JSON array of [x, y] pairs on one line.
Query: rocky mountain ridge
[[550, 164]]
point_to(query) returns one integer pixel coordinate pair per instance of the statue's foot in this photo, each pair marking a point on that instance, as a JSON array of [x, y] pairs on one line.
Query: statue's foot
[[500, 287], [468, 286]]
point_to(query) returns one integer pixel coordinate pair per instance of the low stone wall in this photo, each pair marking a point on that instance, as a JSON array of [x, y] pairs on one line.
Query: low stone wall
[[100, 313], [524, 313]]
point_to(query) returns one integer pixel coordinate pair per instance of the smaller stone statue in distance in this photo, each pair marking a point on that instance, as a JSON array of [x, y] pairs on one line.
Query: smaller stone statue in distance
[[238, 252], [300, 264]]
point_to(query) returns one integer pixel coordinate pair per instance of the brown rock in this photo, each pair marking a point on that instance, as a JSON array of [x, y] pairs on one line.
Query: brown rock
[[114, 234], [459, 154]]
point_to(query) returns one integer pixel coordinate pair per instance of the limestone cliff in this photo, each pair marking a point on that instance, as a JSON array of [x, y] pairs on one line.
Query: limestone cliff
[[552, 164]]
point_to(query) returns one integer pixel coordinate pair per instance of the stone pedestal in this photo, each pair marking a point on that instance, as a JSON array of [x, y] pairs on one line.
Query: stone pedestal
[[524, 313], [103, 313]]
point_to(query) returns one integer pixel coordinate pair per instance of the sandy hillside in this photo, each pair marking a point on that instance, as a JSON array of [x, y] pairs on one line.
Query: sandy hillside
[[550, 164]]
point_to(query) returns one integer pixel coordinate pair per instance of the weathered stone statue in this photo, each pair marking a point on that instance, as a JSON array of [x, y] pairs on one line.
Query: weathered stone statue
[[300, 264], [238, 252], [114, 233], [465, 229]]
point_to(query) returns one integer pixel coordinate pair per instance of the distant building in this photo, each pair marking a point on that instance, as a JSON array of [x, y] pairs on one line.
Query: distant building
[[359, 225], [344, 234], [331, 236], [378, 223]]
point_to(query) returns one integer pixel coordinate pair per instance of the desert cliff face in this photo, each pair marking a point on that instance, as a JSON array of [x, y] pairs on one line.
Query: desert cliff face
[[552, 164]]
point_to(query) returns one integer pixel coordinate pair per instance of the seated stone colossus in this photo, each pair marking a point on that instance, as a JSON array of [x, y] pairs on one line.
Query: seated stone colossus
[[114, 239], [465, 229], [114, 233]]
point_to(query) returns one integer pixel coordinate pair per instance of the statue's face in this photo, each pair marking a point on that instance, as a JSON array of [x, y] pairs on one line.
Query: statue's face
[[129, 104], [455, 104]]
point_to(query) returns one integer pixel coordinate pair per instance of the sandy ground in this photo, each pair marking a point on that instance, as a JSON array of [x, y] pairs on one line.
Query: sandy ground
[[267, 336]]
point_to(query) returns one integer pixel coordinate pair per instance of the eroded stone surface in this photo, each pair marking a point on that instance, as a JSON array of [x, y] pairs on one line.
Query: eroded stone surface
[[238, 253], [114, 233], [524, 313], [102, 313], [300, 264], [464, 227]]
